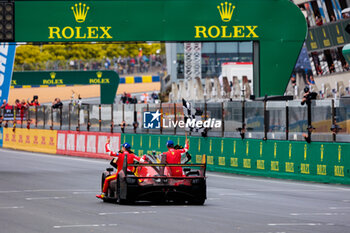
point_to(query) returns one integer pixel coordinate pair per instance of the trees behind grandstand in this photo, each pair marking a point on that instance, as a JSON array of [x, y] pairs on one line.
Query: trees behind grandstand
[[36, 57]]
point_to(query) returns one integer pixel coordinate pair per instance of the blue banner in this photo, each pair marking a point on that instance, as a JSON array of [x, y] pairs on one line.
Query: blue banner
[[322, 11], [303, 61], [7, 58]]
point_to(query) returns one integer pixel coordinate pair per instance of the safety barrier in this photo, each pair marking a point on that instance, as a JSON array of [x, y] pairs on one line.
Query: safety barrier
[[86, 144], [74, 143], [320, 162], [36, 140]]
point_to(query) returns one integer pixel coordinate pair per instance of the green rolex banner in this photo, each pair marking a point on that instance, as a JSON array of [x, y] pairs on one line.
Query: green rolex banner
[[108, 80], [277, 39]]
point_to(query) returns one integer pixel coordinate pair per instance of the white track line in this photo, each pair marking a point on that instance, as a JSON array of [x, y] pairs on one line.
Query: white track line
[[213, 198], [86, 192], [290, 190], [316, 214], [12, 191], [130, 212], [48, 190], [339, 208], [237, 194], [300, 224], [57, 156], [12, 207], [286, 182], [89, 225], [44, 198], [57, 190]]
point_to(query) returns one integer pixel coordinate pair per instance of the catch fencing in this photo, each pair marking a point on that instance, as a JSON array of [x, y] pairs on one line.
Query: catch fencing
[[268, 120]]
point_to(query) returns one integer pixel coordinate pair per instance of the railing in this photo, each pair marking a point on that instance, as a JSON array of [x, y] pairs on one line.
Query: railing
[[326, 120]]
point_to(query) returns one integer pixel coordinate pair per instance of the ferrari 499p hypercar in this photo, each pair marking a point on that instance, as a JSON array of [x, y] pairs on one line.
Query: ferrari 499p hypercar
[[153, 181]]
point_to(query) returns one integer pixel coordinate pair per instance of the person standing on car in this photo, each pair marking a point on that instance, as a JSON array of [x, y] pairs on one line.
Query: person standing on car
[[173, 156], [119, 160]]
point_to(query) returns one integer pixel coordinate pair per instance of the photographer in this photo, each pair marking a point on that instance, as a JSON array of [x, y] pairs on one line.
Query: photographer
[[335, 129], [308, 96], [57, 103], [124, 98], [307, 136], [135, 124], [122, 126]]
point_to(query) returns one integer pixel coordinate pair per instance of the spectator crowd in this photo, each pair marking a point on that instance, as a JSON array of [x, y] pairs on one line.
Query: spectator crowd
[[122, 65], [145, 98], [17, 111], [21, 106]]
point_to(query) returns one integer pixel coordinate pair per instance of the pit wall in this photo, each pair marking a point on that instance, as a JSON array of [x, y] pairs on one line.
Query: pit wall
[[36, 140], [86, 144], [320, 162], [82, 144]]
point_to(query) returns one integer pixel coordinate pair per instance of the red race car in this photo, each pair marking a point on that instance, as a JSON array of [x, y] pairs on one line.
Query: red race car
[[153, 181]]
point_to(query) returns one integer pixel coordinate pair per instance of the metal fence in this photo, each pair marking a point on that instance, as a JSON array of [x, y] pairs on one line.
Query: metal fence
[[326, 120]]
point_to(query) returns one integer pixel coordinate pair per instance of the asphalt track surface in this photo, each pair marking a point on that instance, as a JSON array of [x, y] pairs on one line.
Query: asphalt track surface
[[51, 193]]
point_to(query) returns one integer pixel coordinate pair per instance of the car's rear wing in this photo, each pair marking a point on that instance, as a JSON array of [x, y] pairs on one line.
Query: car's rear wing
[[202, 168]]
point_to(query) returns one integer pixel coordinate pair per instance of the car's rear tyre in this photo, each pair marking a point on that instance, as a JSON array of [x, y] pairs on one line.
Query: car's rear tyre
[[122, 201], [119, 200], [110, 194], [103, 178]]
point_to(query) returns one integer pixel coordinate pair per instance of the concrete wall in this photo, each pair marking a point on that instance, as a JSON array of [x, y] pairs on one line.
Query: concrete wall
[[332, 79]]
